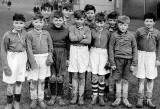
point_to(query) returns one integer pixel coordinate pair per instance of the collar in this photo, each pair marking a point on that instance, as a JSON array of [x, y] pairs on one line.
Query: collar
[[121, 33], [40, 31], [55, 28], [79, 28]]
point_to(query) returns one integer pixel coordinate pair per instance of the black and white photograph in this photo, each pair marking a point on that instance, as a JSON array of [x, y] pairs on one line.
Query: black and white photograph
[[79, 54]]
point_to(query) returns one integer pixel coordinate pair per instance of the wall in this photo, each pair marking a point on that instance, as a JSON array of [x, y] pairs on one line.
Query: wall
[[137, 8], [101, 5]]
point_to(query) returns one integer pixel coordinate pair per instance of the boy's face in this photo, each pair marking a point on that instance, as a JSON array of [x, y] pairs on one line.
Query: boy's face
[[38, 24], [149, 23], [58, 22], [123, 27], [67, 13], [46, 13], [18, 25], [90, 14], [99, 25], [80, 21], [112, 22]]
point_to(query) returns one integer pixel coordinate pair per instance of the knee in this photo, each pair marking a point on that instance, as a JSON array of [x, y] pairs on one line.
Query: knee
[[101, 79], [10, 90], [18, 83], [75, 75], [41, 81], [82, 76], [33, 85], [125, 81], [94, 78]]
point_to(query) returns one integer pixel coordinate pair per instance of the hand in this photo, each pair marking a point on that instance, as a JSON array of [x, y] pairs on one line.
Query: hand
[[49, 60], [53, 78], [7, 71], [157, 63], [60, 78], [35, 66], [107, 66], [132, 68], [113, 67], [28, 67], [67, 63], [84, 36]]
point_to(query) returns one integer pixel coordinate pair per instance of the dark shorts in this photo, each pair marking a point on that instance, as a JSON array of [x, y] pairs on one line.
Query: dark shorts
[[122, 69]]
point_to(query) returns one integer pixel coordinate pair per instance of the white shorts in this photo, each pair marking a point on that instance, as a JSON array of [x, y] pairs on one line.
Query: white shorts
[[17, 63], [79, 59], [99, 58], [146, 65], [43, 70]]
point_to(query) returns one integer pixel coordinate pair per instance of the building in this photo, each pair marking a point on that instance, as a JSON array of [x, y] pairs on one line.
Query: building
[[132, 8]]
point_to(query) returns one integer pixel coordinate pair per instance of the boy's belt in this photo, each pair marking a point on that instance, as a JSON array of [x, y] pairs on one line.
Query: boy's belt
[[80, 45]]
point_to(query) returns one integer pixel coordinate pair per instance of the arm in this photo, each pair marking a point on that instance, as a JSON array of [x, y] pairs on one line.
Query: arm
[[67, 46], [87, 38], [111, 50], [158, 47], [30, 54], [50, 44], [49, 60], [4, 47], [73, 37], [134, 52]]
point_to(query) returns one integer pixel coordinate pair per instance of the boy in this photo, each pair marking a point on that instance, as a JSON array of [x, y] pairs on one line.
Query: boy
[[123, 59], [90, 11], [39, 44], [46, 11], [112, 27], [67, 11], [37, 13], [99, 58], [112, 21], [14, 58], [80, 37], [60, 39], [148, 43]]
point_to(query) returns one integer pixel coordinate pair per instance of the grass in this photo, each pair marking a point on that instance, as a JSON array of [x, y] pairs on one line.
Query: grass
[[5, 19]]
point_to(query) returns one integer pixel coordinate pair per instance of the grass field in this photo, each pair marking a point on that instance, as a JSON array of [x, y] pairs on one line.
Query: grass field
[[25, 7]]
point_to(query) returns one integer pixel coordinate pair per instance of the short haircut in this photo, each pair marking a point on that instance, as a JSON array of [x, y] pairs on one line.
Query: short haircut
[[36, 9], [67, 6], [150, 16], [100, 17], [57, 14], [79, 14], [89, 7], [47, 5], [38, 17], [19, 17], [113, 15]]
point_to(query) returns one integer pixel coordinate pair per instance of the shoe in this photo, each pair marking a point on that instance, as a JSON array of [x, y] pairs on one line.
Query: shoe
[[33, 104], [16, 105], [9, 106], [127, 103], [42, 104], [150, 104], [94, 99], [139, 103], [52, 101], [101, 100], [61, 101], [74, 99], [80, 100], [116, 102]]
